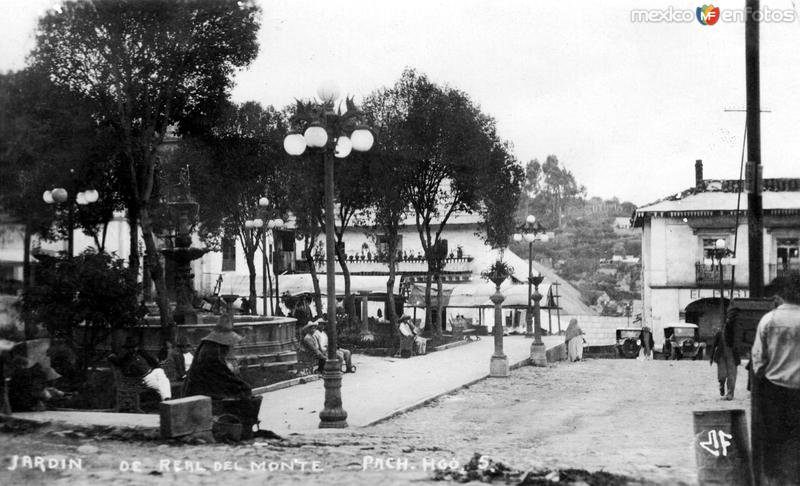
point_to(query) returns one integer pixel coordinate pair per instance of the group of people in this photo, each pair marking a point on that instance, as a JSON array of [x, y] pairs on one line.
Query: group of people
[[315, 342], [208, 373]]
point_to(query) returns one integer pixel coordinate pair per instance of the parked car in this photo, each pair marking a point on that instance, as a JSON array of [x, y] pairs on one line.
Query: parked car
[[682, 340], [628, 342]]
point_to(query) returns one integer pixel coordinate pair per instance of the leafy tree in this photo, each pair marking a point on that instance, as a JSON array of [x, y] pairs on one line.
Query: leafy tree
[[444, 141], [304, 179], [244, 148], [82, 299], [145, 65], [48, 138], [501, 189], [550, 188], [354, 192]]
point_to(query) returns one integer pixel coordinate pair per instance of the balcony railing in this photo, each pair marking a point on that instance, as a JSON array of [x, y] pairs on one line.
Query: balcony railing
[[708, 275], [782, 270], [366, 264]]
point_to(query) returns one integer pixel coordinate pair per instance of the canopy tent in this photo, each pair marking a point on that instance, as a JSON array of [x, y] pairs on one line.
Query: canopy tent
[[300, 283], [462, 295]]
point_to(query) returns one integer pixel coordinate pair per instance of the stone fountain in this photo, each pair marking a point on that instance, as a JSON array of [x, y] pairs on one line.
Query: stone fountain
[[183, 212]]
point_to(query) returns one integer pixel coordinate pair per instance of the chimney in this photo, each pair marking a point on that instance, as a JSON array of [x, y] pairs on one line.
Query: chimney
[[698, 174]]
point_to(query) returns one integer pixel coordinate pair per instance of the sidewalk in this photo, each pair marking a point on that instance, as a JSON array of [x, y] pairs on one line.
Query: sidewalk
[[381, 388]]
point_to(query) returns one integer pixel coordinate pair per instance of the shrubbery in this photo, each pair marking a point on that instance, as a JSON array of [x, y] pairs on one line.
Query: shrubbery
[[93, 289]]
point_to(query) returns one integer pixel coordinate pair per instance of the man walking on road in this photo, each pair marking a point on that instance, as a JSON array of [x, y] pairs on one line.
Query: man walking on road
[[776, 389]]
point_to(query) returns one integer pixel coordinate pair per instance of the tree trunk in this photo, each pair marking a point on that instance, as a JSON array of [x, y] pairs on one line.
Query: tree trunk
[[439, 302], [157, 274], [133, 258], [391, 315], [26, 258], [315, 281], [349, 303], [251, 267]]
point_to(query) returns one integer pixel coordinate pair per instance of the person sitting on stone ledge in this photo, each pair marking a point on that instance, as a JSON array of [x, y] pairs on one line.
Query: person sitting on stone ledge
[[180, 358], [311, 344], [344, 355], [134, 362], [210, 375]]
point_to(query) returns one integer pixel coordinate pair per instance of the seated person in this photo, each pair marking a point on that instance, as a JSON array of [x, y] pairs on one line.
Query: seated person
[[211, 376], [134, 362], [421, 342], [177, 358], [27, 366], [311, 344], [185, 347], [344, 355]]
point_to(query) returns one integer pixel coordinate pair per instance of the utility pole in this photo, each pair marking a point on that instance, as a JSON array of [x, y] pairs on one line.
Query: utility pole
[[755, 220]]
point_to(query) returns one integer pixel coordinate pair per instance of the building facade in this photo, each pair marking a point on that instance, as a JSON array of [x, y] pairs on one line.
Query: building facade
[[680, 280]]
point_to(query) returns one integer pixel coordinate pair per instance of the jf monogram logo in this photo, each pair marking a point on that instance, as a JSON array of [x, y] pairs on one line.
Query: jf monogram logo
[[717, 443]]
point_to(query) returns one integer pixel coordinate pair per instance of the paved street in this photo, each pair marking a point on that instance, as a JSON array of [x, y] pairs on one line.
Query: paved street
[[620, 416]]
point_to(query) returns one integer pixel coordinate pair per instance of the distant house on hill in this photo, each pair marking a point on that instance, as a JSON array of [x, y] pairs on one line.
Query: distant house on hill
[[679, 233]]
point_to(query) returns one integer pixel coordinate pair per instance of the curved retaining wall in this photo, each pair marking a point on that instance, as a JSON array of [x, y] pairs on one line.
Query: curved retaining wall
[[266, 340]]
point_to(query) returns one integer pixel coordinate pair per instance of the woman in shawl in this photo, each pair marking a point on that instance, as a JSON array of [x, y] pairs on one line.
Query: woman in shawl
[[574, 340], [210, 375]]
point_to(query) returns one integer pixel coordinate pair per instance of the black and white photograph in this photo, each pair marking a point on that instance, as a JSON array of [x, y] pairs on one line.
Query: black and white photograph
[[303, 242]]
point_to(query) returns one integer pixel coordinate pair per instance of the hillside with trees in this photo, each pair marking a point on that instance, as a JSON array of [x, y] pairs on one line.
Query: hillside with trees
[[592, 247]]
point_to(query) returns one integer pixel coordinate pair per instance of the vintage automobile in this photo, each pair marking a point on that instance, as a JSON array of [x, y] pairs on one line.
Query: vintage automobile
[[628, 342], [682, 340]]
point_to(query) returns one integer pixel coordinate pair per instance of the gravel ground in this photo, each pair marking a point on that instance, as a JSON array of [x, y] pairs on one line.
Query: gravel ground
[[624, 417]]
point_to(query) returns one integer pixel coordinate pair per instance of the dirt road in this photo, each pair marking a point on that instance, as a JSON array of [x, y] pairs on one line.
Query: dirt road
[[621, 416]]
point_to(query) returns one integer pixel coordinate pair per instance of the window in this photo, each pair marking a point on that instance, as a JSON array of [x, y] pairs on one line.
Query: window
[[788, 253], [228, 255], [709, 245], [383, 244]]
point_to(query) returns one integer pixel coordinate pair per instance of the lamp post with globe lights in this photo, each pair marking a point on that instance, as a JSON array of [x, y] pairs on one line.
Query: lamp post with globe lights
[[59, 195], [532, 230], [272, 224], [326, 132]]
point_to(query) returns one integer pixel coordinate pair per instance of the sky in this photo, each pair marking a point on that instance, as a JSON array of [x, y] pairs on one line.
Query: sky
[[626, 106]]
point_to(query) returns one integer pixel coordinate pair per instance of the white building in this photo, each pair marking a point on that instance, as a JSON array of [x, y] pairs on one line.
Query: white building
[[678, 233]]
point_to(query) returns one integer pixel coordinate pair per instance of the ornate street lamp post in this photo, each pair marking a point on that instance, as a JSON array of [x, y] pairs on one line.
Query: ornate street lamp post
[[532, 231], [59, 195], [497, 274], [272, 224], [326, 131]]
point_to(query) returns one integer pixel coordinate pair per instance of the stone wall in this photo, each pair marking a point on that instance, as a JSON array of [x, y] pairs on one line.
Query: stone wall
[[600, 330]]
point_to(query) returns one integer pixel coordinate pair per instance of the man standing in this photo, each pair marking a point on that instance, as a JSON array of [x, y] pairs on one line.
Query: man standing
[[776, 388], [724, 354]]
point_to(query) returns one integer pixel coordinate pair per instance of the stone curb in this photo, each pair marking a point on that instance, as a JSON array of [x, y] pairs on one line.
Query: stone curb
[[300, 380], [425, 401]]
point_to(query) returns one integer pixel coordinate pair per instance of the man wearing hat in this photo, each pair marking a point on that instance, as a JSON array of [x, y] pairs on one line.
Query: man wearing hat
[[311, 344], [344, 355], [210, 375], [136, 363]]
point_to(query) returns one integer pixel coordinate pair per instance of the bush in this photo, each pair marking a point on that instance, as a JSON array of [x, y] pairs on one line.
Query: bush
[[93, 289]]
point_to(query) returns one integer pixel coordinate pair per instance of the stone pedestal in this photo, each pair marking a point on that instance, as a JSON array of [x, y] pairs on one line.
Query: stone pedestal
[[538, 354], [498, 367]]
